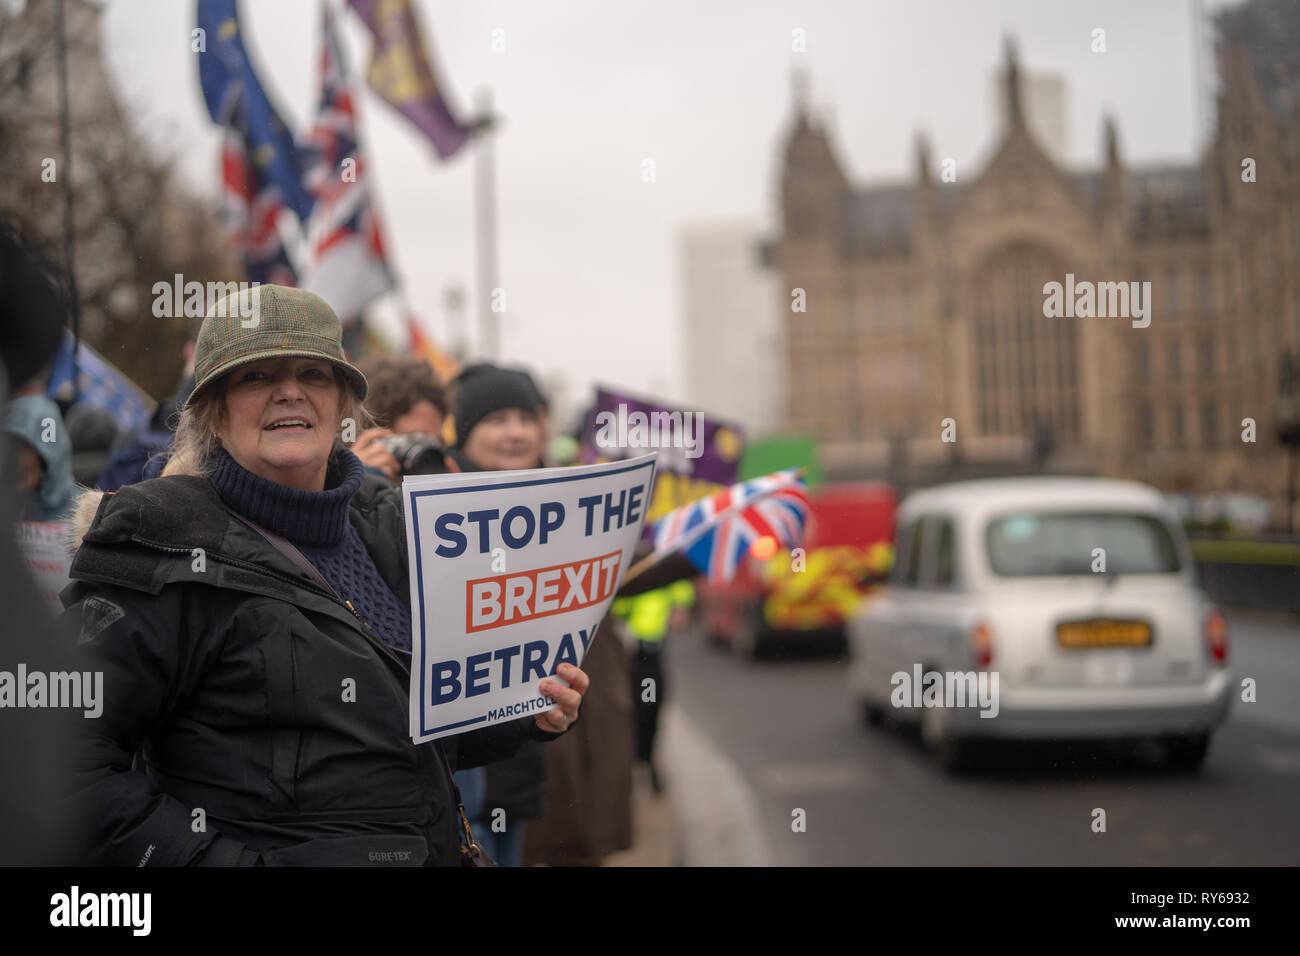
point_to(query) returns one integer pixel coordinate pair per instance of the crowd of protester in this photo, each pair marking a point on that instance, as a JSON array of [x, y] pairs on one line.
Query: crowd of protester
[[557, 795]]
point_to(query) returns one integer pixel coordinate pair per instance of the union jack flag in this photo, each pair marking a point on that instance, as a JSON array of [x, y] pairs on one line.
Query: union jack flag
[[351, 268], [717, 532], [250, 208]]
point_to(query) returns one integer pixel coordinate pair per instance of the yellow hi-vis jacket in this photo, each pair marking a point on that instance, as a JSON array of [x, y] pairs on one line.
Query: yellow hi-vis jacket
[[647, 614]]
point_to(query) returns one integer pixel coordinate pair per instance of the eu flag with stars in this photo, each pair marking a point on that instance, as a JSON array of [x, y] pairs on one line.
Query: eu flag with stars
[[261, 168], [236, 100]]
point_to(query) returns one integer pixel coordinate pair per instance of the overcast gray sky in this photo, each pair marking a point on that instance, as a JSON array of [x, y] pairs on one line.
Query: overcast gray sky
[[588, 90]]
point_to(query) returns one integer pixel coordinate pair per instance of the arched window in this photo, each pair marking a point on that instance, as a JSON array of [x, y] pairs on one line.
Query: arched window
[[1025, 362]]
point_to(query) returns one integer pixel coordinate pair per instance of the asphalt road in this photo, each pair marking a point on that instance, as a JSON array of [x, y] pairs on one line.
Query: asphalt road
[[791, 740]]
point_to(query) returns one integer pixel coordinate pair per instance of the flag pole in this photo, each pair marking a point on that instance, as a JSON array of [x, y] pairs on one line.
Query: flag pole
[[486, 232], [453, 304], [649, 561], [69, 220]]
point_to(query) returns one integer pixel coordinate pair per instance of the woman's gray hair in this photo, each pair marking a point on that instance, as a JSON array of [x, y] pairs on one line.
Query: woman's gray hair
[[196, 435]]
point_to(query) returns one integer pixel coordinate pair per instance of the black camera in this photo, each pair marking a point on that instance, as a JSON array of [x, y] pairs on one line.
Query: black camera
[[417, 453]]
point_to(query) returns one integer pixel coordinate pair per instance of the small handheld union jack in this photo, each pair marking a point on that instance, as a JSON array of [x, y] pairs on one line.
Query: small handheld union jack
[[717, 532]]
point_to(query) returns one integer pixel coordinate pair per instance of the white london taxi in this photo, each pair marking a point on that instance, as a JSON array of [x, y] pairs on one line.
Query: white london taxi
[[1042, 608]]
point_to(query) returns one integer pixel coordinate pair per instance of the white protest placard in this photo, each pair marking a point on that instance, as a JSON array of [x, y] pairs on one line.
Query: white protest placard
[[47, 558], [511, 572]]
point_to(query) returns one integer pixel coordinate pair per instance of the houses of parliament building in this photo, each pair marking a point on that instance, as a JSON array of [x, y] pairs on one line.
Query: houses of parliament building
[[923, 301]]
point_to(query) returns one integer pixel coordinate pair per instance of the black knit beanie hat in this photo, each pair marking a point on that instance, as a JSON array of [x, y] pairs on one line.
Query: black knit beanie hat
[[482, 389]]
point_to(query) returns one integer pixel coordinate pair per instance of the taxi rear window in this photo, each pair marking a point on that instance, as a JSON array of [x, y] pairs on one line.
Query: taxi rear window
[[1030, 543]]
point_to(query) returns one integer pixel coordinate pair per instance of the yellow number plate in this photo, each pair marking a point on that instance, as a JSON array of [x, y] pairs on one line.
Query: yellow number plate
[[1102, 633]]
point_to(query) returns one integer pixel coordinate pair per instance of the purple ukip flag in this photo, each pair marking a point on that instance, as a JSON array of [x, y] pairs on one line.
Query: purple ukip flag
[[399, 71], [698, 454]]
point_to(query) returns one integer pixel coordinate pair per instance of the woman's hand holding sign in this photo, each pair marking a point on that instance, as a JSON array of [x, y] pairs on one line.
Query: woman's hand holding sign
[[557, 719]]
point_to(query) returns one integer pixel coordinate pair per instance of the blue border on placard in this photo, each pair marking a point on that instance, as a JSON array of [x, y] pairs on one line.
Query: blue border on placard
[[419, 562]]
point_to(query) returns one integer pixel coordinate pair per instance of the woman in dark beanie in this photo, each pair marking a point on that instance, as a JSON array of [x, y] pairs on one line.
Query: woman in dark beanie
[[586, 791], [496, 425], [497, 419], [250, 613]]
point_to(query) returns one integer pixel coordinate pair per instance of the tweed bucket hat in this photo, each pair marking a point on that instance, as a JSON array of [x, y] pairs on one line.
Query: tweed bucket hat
[[266, 322]]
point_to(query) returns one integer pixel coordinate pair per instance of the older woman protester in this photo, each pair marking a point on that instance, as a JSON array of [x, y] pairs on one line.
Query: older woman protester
[[250, 613]]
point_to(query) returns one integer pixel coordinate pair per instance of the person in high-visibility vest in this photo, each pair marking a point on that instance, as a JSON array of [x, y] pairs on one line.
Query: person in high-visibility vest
[[649, 617]]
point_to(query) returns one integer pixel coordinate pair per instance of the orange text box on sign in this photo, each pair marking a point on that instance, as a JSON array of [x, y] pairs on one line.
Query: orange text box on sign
[[524, 595]]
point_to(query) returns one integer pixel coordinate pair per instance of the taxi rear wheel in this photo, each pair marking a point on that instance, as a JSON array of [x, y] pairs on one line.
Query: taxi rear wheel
[[954, 754], [872, 714], [1187, 752]]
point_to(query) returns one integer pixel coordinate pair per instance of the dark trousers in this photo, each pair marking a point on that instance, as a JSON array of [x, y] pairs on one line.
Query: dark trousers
[[648, 666]]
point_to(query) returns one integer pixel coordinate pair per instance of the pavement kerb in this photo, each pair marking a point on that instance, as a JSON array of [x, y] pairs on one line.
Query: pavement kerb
[[715, 813]]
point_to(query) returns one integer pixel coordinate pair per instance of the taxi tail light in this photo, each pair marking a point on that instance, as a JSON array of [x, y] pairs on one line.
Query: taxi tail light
[[981, 639], [1216, 635]]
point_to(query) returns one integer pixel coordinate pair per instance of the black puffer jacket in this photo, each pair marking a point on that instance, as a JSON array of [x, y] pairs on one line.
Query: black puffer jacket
[[227, 668]]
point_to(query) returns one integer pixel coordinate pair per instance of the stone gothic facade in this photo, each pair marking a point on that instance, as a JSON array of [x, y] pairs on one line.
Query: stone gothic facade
[[924, 302]]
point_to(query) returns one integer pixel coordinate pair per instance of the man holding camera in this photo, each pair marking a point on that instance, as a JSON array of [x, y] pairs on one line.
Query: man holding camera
[[408, 400]]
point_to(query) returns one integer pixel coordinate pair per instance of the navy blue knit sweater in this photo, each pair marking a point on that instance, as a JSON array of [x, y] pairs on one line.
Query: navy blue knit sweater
[[317, 523]]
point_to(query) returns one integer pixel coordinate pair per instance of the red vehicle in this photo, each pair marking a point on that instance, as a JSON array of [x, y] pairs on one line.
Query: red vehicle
[[810, 592]]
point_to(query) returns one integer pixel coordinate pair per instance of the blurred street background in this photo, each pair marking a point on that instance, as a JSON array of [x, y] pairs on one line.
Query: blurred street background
[[750, 741], [830, 230]]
